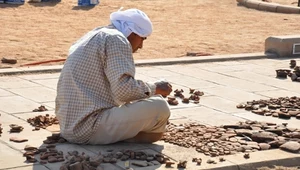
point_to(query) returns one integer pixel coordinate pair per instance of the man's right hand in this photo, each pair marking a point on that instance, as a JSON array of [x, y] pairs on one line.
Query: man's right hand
[[163, 88]]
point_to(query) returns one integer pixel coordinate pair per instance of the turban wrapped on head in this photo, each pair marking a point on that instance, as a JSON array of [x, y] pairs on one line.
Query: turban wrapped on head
[[132, 20]]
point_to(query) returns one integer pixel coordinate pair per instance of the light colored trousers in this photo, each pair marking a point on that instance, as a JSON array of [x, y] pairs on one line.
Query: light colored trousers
[[120, 123]]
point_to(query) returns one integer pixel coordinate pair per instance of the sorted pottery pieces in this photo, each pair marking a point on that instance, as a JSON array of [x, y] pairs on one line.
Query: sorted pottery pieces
[[138, 158], [194, 97], [213, 141], [282, 107], [41, 121]]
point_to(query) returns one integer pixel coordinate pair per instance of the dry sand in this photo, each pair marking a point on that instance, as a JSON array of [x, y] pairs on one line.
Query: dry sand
[[44, 31]]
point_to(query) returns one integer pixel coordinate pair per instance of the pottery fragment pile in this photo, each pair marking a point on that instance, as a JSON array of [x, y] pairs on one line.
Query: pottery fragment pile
[[194, 97], [282, 107], [293, 74], [77, 161], [243, 137], [42, 121]]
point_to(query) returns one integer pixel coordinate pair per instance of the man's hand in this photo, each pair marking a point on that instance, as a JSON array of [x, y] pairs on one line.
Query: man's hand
[[163, 88]]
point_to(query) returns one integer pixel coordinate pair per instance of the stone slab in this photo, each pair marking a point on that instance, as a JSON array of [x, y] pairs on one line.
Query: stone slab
[[234, 94], [16, 104], [39, 76], [220, 104], [15, 82], [12, 158], [278, 93], [37, 94], [35, 138], [50, 83], [5, 93], [208, 116], [115, 147]]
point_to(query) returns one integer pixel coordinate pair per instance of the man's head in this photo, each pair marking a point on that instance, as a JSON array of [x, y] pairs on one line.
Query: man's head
[[134, 24]]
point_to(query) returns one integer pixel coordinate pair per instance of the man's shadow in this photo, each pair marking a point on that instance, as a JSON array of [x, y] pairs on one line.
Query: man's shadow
[[86, 153]]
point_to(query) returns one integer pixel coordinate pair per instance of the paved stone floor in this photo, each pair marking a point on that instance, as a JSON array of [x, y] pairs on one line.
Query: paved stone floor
[[225, 85]]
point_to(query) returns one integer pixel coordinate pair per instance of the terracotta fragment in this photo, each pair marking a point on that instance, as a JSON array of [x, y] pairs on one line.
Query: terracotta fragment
[[15, 128], [18, 140], [182, 164], [169, 164]]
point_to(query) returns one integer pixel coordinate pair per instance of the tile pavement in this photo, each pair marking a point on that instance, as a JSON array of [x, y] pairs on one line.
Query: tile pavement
[[225, 84]]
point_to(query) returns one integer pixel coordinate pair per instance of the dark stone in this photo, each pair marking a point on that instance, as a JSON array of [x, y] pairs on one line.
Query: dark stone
[[263, 137]]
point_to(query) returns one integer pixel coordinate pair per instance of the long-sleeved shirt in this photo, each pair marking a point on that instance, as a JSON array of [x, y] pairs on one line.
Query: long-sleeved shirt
[[97, 75]]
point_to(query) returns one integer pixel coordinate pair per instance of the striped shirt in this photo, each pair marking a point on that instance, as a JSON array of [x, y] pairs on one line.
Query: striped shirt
[[97, 75]]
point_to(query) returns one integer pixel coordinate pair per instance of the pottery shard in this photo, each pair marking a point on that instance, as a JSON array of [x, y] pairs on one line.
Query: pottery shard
[[244, 132], [169, 163], [294, 113], [276, 131], [236, 127], [96, 160], [284, 115], [76, 166], [259, 112], [52, 159], [277, 143], [264, 146], [291, 146], [140, 163], [29, 148], [263, 137], [15, 128], [31, 159], [18, 140], [182, 164]]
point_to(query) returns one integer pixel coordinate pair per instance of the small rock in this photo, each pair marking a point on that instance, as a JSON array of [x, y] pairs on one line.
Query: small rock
[[291, 146], [76, 166]]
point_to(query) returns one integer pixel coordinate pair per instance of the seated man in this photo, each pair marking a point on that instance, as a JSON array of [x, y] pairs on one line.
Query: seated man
[[99, 101]]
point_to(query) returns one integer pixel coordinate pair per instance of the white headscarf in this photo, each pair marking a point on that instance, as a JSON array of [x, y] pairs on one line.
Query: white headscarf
[[132, 20]]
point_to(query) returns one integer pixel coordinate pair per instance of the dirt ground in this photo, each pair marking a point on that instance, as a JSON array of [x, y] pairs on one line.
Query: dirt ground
[[44, 31]]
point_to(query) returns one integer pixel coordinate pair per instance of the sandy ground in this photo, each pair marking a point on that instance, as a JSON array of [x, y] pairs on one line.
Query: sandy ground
[[44, 31]]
